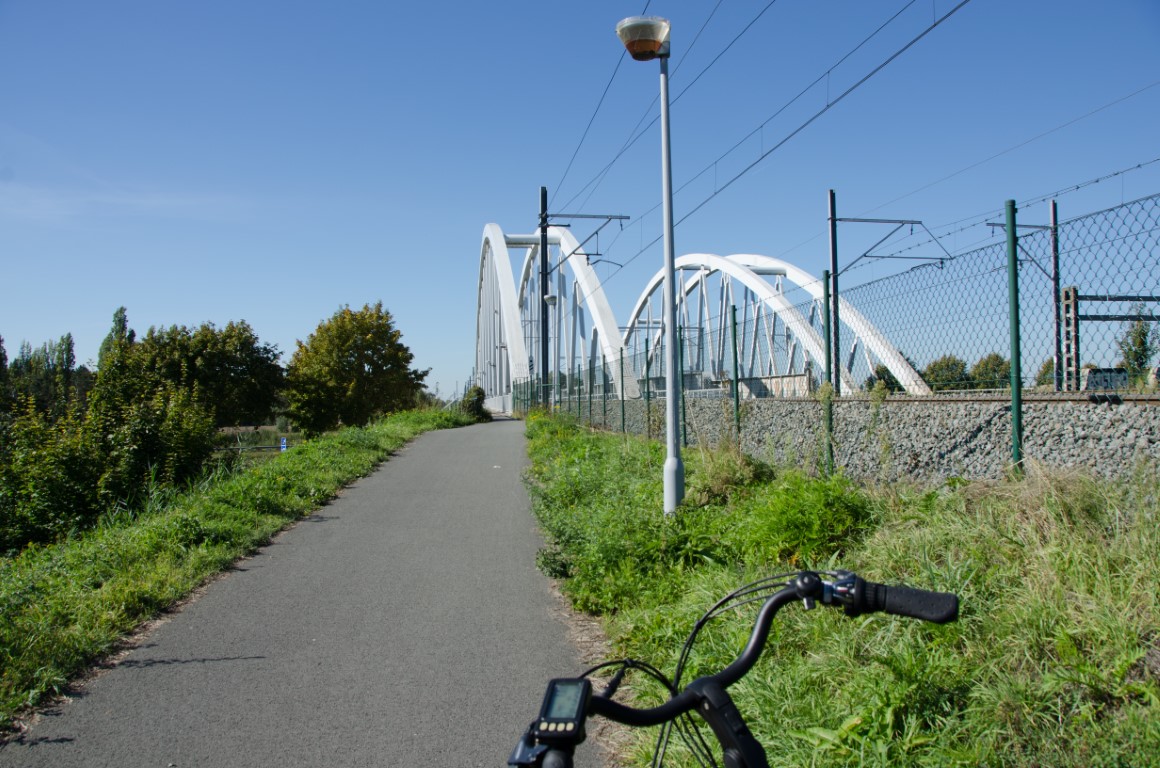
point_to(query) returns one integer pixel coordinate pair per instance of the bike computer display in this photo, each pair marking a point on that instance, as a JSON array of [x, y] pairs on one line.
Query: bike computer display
[[563, 712]]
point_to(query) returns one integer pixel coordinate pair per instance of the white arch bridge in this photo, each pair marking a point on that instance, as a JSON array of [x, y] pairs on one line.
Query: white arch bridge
[[735, 315]]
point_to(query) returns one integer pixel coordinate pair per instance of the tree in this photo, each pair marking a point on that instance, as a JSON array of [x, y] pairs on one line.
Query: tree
[[353, 368], [883, 374], [120, 332], [46, 375], [145, 427], [948, 372], [1138, 345], [239, 375], [5, 395], [1046, 375], [991, 372], [236, 376]]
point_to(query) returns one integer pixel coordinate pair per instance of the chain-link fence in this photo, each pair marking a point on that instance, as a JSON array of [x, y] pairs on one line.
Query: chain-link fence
[[1087, 299], [1089, 304], [1088, 309]]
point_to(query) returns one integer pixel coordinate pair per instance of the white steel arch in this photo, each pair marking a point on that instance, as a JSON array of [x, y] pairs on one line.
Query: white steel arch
[[763, 306], [580, 306], [864, 331], [500, 354], [777, 338], [582, 329]]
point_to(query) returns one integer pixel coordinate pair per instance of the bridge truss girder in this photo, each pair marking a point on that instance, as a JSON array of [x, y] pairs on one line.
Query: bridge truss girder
[[765, 349], [582, 329]]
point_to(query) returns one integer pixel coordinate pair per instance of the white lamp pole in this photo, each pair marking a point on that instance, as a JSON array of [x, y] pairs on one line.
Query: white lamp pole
[[647, 38]]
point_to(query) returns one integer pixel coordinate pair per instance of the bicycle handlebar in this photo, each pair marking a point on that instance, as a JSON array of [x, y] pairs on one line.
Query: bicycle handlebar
[[860, 596], [707, 694]]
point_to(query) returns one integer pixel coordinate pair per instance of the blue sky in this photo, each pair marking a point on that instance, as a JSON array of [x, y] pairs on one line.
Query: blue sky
[[273, 161]]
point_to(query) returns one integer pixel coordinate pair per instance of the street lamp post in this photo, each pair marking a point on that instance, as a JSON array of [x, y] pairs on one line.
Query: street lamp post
[[647, 38]]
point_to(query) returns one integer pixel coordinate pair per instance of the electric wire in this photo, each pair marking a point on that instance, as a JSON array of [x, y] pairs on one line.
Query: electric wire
[[595, 112], [980, 219], [633, 138], [1022, 144], [637, 132], [588, 127], [635, 135], [830, 105]]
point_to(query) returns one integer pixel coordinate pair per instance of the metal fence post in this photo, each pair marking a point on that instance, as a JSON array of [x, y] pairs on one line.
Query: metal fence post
[[1057, 298], [1016, 366], [836, 327], [604, 391], [647, 393], [681, 377], [591, 383], [829, 373], [736, 375], [623, 427]]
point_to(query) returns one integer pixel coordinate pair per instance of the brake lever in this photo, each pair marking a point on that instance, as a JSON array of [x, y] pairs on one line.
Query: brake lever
[[527, 751]]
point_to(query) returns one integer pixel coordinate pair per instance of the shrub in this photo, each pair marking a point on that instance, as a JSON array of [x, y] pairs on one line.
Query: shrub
[[48, 479], [472, 404]]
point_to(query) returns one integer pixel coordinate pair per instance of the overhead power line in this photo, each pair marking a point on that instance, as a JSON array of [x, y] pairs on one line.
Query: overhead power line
[[980, 219], [830, 105], [1021, 144], [637, 131], [595, 112]]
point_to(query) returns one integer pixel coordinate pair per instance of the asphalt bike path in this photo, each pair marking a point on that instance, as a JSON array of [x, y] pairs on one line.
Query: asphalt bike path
[[403, 624]]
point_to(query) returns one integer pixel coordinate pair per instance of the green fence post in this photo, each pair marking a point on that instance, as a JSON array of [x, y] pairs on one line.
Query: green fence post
[[604, 391], [591, 383], [1016, 363], [623, 427], [836, 328], [681, 376], [647, 394], [830, 374], [736, 375]]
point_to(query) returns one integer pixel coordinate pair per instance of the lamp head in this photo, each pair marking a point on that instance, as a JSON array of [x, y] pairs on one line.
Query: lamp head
[[645, 37]]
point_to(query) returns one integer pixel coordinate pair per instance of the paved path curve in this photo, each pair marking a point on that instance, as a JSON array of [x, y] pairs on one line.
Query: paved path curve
[[404, 624]]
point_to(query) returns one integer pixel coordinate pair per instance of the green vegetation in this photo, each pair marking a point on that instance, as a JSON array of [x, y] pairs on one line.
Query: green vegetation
[[1055, 660], [947, 372], [76, 445], [64, 605], [1138, 344], [472, 404], [993, 371], [353, 368]]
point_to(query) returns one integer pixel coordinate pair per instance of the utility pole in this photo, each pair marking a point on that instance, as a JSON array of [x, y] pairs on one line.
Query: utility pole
[[544, 297], [834, 364]]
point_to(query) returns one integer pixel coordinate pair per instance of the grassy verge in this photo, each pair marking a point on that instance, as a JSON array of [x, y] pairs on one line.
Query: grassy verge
[[65, 605], [1055, 660]]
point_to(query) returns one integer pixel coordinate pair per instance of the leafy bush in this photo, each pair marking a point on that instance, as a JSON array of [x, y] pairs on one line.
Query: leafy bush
[[49, 474], [472, 404]]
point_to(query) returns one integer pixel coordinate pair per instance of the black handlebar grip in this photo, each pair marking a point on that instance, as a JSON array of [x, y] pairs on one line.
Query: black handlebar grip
[[557, 758], [937, 607]]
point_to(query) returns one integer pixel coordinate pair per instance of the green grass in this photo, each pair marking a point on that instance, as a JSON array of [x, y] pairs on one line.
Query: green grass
[[1054, 661], [64, 606]]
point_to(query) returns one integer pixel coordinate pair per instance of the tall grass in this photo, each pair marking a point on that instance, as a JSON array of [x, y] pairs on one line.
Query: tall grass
[[1054, 661], [63, 606]]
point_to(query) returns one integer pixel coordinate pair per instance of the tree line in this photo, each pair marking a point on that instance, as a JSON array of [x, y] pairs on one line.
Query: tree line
[[1138, 344], [76, 444]]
